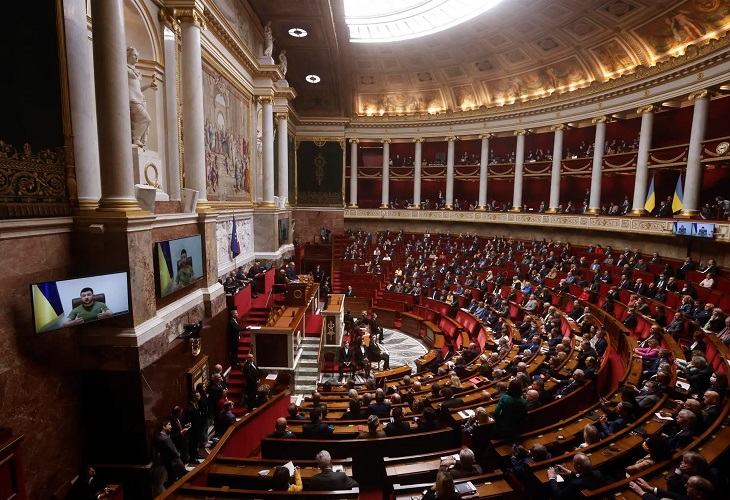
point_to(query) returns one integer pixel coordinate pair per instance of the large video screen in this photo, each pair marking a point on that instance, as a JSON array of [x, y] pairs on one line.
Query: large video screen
[[682, 228], [178, 263], [64, 303], [703, 230]]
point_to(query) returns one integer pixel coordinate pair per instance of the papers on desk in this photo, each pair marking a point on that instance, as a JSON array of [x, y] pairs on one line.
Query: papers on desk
[[683, 385], [298, 399], [264, 473], [271, 376], [455, 456], [466, 488], [290, 467], [559, 478], [466, 413], [338, 468], [662, 417]]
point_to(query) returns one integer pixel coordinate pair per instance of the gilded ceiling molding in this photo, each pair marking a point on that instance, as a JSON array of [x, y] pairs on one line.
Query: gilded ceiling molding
[[167, 19]]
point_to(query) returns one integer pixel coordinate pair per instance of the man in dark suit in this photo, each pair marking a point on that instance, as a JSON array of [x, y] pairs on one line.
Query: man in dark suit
[[710, 267], [397, 427], [234, 335], [465, 467], [224, 419], [583, 478], [380, 407], [577, 311], [169, 456], [687, 265], [375, 330], [280, 430], [252, 376], [361, 357], [315, 429], [711, 410], [687, 422], [449, 401], [565, 387], [88, 486], [377, 353], [344, 357], [349, 292], [328, 480], [600, 344], [291, 272]]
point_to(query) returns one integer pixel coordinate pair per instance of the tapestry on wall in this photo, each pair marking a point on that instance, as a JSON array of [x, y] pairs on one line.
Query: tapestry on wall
[[227, 139], [319, 173]]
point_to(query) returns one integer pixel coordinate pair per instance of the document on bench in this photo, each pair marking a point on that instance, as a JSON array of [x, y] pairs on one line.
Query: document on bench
[[338, 468], [455, 456], [290, 467], [466, 413], [662, 417], [271, 376], [682, 385]]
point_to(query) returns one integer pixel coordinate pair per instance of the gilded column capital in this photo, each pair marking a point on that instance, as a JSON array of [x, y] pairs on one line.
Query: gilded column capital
[[266, 99], [646, 109], [599, 119], [192, 15], [452, 138], [385, 141], [419, 139], [559, 126], [167, 18], [354, 140], [486, 136], [281, 116], [698, 94], [521, 132]]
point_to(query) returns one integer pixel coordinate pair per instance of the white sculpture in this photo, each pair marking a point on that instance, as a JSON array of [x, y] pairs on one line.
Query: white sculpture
[[283, 62], [268, 40], [137, 103]]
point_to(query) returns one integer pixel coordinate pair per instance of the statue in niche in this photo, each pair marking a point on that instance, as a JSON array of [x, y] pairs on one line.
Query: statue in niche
[[137, 103], [282, 62], [268, 40]]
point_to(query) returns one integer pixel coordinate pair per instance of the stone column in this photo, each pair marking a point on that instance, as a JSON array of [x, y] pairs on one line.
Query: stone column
[[555, 172], [83, 109], [642, 159], [693, 176], [450, 173], [267, 157], [172, 157], [353, 173], [283, 156], [519, 168], [417, 173], [112, 107], [594, 205], [191, 22], [385, 196], [483, 172]]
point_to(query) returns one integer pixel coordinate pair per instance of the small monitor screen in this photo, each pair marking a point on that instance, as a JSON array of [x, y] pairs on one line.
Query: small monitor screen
[[178, 263], [682, 228], [703, 230], [64, 303]]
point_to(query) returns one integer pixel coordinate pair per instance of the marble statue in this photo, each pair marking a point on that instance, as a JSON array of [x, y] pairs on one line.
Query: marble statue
[[137, 103], [268, 40], [283, 62]]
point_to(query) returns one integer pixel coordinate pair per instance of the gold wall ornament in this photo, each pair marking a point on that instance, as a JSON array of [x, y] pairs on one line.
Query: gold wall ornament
[[559, 126], [451, 138], [166, 18], [486, 136], [698, 94], [599, 119], [153, 82], [152, 181], [645, 109], [521, 132], [319, 164]]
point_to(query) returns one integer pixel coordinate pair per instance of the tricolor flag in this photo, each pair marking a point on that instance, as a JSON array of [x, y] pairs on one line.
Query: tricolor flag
[[677, 202], [164, 259], [47, 307], [650, 198], [235, 247]]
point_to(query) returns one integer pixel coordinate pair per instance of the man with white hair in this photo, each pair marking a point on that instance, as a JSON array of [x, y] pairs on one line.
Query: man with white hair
[[327, 480], [465, 467]]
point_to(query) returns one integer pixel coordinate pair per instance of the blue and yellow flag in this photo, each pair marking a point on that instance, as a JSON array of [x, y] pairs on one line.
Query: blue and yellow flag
[[677, 202], [47, 307], [650, 198], [164, 259], [235, 246]]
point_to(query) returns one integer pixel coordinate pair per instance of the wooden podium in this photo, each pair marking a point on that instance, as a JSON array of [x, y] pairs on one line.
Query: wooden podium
[[296, 294]]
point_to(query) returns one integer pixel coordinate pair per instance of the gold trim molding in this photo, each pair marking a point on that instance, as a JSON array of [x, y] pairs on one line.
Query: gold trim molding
[[646, 109], [599, 119], [698, 94]]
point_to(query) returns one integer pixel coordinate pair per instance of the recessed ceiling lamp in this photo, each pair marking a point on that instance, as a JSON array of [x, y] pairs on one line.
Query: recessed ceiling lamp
[[389, 21], [298, 32], [313, 78]]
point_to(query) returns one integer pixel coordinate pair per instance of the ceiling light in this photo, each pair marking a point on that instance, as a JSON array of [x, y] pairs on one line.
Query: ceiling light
[[313, 78], [298, 32]]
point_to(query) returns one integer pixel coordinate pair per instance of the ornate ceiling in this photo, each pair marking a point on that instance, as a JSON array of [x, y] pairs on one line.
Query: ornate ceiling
[[519, 50]]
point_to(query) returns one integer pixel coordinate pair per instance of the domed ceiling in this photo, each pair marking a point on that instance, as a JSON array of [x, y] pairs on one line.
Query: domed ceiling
[[517, 50]]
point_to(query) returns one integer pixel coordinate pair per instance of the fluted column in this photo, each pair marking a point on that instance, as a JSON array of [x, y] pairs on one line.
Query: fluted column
[[417, 173], [555, 172], [353, 173], [642, 159], [450, 172], [519, 170], [483, 165], [594, 205], [693, 176], [191, 22], [83, 109], [172, 157], [385, 196], [112, 107], [283, 165], [267, 156]]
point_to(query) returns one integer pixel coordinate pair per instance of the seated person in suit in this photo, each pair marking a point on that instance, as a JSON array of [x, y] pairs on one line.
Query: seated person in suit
[[280, 430], [294, 414], [376, 353], [315, 429], [697, 488], [361, 357], [621, 419], [449, 401], [465, 467], [88, 486], [380, 407], [373, 431], [344, 358], [429, 420], [328, 480], [354, 412], [583, 478], [397, 427], [565, 387], [684, 432]]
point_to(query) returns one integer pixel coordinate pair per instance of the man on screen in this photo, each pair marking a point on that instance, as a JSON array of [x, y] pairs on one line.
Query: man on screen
[[185, 272], [88, 310]]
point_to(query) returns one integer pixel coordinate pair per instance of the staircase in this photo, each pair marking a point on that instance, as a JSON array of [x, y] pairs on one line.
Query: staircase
[[306, 374]]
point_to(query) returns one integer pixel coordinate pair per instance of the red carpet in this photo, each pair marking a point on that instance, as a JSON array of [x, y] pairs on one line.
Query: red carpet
[[313, 327]]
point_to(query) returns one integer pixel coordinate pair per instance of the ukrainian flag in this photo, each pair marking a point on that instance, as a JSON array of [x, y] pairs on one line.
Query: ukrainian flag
[[164, 261], [47, 307], [677, 202], [651, 198]]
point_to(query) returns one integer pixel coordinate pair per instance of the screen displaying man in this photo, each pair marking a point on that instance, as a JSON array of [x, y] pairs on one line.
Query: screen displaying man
[[88, 310], [185, 274]]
